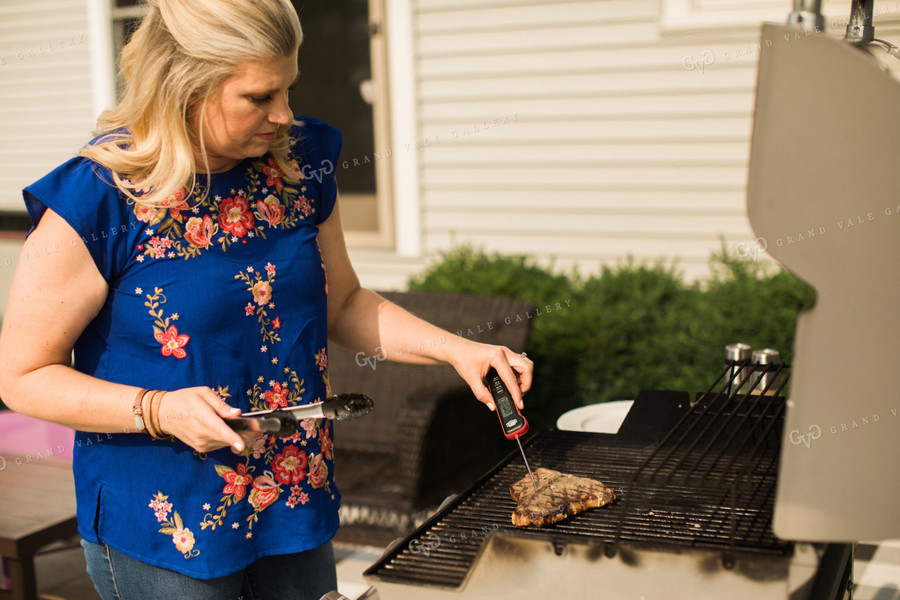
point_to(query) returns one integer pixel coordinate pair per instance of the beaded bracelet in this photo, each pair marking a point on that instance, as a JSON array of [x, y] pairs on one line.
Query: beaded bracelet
[[138, 410]]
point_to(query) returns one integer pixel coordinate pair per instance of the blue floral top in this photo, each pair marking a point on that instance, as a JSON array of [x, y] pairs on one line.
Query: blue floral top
[[228, 293]]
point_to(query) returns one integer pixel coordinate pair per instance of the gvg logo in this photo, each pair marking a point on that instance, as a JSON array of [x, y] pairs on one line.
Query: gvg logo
[[363, 360], [745, 250], [797, 438], [319, 174], [815, 432], [699, 64]]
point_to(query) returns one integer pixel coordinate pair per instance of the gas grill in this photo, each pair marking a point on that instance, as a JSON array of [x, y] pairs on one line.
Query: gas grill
[[695, 486]]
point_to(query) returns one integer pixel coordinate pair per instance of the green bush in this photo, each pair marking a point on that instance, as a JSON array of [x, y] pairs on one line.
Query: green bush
[[551, 344], [646, 332], [631, 327]]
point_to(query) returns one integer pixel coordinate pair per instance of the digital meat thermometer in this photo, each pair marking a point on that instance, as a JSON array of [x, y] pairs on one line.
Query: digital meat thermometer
[[511, 420]]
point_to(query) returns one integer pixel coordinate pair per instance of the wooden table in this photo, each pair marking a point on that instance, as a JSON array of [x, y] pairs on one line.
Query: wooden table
[[37, 507]]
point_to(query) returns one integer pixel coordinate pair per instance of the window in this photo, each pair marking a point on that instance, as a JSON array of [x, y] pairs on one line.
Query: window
[[126, 16], [342, 81], [342, 66]]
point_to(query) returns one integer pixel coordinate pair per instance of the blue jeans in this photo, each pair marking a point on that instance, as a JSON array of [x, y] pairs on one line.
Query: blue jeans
[[303, 576]]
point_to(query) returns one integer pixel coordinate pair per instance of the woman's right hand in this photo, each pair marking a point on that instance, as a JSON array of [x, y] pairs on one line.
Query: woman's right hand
[[195, 416]]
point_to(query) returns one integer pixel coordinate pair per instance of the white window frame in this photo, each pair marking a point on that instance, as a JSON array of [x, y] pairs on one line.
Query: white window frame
[[685, 15], [103, 58], [383, 238], [403, 111]]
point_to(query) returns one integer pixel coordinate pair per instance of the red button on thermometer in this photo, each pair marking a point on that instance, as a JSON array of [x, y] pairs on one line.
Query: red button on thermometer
[[511, 420]]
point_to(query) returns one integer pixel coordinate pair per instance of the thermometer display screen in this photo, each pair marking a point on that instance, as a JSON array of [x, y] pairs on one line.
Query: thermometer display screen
[[504, 406]]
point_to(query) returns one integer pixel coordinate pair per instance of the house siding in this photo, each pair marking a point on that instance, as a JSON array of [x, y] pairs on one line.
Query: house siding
[[580, 132], [585, 132], [46, 98]]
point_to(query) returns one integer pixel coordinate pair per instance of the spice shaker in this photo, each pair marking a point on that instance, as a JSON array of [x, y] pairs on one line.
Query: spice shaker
[[737, 361], [766, 372]]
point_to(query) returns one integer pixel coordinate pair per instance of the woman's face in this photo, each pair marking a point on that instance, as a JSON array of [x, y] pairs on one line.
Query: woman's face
[[241, 120]]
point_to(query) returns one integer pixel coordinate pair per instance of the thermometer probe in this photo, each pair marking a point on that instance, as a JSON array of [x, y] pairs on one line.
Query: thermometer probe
[[511, 420]]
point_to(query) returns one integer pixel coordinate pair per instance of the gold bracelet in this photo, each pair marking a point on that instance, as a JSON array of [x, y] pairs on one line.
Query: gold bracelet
[[138, 411], [151, 426]]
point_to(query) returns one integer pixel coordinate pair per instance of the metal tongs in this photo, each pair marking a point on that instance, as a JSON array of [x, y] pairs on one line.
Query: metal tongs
[[283, 422]]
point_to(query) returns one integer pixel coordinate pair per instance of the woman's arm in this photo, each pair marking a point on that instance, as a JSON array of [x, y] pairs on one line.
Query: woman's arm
[[54, 296], [363, 321]]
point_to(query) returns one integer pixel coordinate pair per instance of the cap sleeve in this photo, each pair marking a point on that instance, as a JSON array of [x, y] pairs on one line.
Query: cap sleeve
[[81, 192], [317, 147]]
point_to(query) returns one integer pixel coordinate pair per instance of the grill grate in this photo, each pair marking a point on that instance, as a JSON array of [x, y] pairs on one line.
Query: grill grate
[[709, 484], [727, 444]]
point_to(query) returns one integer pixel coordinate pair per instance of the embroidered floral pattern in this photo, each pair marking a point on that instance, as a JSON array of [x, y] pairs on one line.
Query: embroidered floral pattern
[[199, 231], [322, 359], [311, 427], [260, 492], [304, 206], [325, 442], [158, 247], [265, 492], [297, 497], [160, 507], [175, 203], [149, 214], [265, 202], [290, 466], [261, 290], [273, 174], [285, 462], [270, 210], [184, 540], [318, 471], [280, 393], [278, 396], [235, 217], [173, 343], [182, 537], [236, 481]]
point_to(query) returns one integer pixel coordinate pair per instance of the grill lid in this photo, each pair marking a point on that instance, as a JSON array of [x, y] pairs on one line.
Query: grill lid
[[832, 220]]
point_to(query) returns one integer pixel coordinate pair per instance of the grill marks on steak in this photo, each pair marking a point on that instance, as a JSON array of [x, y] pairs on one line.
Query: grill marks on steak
[[556, 496]]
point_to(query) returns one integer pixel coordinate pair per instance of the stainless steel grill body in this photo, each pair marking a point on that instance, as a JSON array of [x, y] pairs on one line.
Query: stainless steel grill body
[[695, 489]]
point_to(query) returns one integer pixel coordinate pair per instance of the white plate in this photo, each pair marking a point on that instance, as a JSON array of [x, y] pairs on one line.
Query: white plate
[[598, 418]]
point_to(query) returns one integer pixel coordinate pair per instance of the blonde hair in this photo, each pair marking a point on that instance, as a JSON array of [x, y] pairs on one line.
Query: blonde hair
[[171, 68]]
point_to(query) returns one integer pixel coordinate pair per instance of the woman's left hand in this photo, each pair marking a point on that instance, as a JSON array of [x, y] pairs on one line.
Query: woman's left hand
[[473, 360]]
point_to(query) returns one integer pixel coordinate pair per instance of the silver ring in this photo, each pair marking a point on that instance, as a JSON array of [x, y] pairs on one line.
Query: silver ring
[[523, 355]]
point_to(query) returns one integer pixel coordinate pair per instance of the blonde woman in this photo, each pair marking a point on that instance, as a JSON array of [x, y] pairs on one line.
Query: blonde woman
[[184, 260]]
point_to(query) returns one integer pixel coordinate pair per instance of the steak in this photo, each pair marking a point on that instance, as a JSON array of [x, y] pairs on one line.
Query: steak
[[556, 496]]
